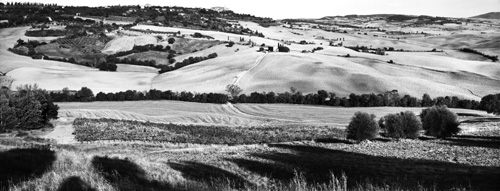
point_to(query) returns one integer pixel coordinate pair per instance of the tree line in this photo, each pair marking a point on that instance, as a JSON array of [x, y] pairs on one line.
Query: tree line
[[488, 103], [469, 50], [185, 62], [322, 97], [86, 95]]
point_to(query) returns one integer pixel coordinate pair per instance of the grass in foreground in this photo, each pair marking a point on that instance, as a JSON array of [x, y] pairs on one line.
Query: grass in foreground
[[88, 167]]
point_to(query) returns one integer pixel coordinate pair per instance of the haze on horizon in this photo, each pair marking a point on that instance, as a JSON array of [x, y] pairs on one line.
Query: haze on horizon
[[316, 8]]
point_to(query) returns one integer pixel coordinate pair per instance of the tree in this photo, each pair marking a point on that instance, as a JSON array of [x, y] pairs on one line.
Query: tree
[[233, 90], [439, 121], [362, 126], [84, 95], [427, 101], [402, 125], [171, 40], [491, 103]]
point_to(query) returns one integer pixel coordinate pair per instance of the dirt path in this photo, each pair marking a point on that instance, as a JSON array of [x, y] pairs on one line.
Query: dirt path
[[240, 75], [63, 131]]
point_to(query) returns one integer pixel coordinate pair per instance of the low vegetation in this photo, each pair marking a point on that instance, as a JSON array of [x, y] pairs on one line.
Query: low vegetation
[[125, 130]]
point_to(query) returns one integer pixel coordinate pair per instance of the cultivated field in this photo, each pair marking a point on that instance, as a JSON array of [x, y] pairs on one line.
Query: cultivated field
[[227, 114]]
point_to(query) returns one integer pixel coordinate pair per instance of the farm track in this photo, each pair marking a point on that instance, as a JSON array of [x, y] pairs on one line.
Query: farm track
[[242, 74]]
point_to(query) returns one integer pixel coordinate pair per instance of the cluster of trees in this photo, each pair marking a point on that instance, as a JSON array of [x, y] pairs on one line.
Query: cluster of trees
[[86, 95], [283, 48], [199, 35], [469, 50], [83, 95], [437, 121], [185, 62], [28, 108], [45, 33], [30, 46], [105, 66]]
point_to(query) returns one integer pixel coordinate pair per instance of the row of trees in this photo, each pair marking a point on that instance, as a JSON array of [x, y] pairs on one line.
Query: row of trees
[[436, 121], [469, 50], [185, 62], [322, 97], [86, 95], [28, 108]]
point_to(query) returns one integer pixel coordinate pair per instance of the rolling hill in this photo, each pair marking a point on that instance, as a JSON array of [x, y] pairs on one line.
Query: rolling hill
[[491, 15], [436, 73]]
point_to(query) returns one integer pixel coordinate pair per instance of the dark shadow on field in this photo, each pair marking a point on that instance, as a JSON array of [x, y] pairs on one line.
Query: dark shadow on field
[[75, 183], [274, 171], [124, 174], [475, 141], [334, 140], [18, 165], [316, 164], [208, 174]]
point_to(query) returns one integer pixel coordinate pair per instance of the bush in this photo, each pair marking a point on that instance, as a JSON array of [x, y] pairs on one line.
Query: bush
[[362, 126], [439, 121], [491, 103], [402, 125]]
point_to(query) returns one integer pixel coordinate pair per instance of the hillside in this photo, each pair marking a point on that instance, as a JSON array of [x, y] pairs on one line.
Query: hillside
[[491, 15], [415, 69]]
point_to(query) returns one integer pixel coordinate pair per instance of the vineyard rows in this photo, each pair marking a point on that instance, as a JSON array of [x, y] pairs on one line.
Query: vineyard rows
[[125, 130], [80, 41]]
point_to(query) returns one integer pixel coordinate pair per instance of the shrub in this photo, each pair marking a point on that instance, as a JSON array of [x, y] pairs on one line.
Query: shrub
[[439, 121], [402, 125], [171, 41], [362, 126]]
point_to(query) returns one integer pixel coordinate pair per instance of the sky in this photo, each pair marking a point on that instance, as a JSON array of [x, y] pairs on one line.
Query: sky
[[280, 9]]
